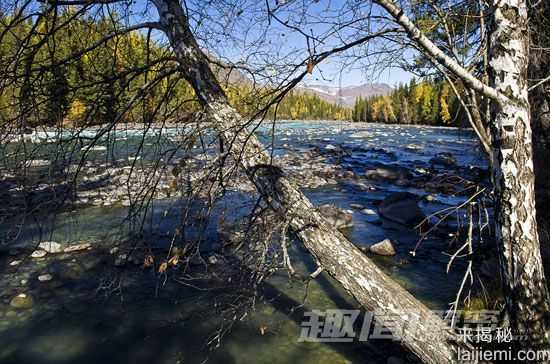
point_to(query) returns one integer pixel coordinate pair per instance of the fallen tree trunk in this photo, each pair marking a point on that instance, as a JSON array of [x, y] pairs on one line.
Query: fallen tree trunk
[[419, 329]]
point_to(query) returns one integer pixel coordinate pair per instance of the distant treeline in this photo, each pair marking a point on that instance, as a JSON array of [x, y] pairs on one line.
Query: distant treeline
[[426, 102], [100, 84], [305, 105]]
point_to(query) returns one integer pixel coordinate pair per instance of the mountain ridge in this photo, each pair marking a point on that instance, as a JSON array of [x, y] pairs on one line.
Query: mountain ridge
[[347, 95]]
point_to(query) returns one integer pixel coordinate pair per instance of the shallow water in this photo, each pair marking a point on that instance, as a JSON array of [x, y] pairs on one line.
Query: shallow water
[[70, 322]]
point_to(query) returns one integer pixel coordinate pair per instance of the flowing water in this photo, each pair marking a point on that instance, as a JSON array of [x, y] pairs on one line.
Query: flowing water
[[72, 321]]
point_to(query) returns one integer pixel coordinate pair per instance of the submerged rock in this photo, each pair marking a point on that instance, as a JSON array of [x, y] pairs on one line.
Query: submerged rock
[[384, 247], [121, 260], [402, 207], [337, 217], [444, 159], [14, 252], [22, 301], [395, 360], [212, 259], [390, 173]]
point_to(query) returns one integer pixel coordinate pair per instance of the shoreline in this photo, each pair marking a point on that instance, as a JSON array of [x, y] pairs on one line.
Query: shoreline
[[155, 126]]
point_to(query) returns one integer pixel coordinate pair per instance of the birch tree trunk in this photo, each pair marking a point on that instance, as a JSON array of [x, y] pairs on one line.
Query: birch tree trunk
[[512, 169], [513, 176], [420, 330]]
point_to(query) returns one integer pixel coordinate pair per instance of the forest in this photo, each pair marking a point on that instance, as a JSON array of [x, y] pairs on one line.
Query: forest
[[89, 90], [426, 102]]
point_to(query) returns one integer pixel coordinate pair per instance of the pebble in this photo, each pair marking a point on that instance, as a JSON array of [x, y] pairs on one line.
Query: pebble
[[15, 262]]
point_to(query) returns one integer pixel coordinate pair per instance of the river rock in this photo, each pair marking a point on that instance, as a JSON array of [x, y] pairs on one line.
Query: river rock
[[38, 163], [368, 212], [76, 247], [22, 301], [45, 277], [444, 159], [402, 207], [121, 260], [337, 217], [38, 253], [384, 247], [98, 148], [51, 247], [389, 173]]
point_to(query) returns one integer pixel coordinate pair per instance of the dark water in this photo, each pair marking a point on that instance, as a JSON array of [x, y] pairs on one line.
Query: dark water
[[174, 324]]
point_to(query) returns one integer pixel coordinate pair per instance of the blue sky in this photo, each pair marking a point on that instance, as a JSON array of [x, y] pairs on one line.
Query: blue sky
[[330, 72], [356, 75]]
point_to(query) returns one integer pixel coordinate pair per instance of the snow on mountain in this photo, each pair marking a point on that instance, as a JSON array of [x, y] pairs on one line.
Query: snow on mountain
[[346, 95]]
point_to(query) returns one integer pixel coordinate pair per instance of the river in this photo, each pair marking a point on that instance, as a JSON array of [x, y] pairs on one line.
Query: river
[[90, 313]]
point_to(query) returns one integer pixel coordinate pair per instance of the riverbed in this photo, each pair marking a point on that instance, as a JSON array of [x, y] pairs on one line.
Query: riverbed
[[93, 310]]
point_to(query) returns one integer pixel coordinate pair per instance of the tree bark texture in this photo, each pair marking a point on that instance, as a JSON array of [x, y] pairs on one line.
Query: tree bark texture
[[513, 176]]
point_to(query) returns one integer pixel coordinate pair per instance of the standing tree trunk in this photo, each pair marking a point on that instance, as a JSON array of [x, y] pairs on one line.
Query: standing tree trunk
[[513, 176], [527, 296], [420, 330]]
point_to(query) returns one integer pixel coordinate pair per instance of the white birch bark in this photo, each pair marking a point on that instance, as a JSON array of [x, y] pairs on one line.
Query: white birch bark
[[512, 162], [513, 176]]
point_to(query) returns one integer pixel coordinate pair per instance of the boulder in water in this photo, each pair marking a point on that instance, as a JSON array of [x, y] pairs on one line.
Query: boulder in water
[[338, 218], [384, 247], [402, 207]]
